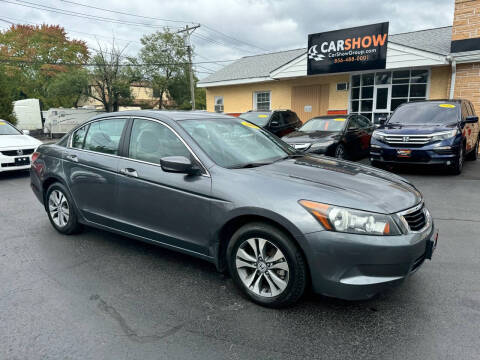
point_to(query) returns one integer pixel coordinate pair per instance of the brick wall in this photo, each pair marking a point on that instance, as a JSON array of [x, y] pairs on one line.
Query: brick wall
[[466, 21], [467, 83]]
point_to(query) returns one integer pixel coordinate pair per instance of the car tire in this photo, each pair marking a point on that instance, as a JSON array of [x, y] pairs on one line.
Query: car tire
[[275, 277], [473, 155], [61, 210], [376, 164], [457, 167], [341, 152]]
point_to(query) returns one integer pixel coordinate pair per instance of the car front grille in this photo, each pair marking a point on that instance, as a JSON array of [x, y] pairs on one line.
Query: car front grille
[[407, 139], [416, 220], [15, 152]]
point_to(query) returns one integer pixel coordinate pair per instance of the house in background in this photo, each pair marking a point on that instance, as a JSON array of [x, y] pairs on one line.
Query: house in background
[[143, 97]]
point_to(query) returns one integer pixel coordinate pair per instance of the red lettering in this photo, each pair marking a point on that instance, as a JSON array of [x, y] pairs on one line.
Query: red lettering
[[379, 39], [348, 44], [366, 42]]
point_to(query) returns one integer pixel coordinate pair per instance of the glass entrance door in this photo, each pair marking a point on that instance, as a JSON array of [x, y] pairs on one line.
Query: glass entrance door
[[381, 101]]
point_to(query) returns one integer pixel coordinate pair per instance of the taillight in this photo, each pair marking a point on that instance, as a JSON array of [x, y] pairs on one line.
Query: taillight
[[35, 156]]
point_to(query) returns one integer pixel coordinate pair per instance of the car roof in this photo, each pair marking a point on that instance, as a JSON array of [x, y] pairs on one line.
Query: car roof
[[172, 115], [331, 116]]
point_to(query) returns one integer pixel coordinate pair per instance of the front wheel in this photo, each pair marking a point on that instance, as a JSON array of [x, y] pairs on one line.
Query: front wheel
[[61, 210], [457, 167], [474, 153], [340, 152], [266, 265]]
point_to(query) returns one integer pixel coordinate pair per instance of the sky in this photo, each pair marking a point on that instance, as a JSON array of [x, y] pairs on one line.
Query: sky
[[229, 29]]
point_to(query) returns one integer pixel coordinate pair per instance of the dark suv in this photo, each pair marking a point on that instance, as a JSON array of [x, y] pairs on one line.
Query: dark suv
[[442, 132], [278, 122]]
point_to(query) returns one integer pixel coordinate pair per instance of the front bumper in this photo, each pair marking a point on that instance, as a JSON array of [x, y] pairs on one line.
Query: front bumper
[[432, 154], [357, 267], [12, 163]]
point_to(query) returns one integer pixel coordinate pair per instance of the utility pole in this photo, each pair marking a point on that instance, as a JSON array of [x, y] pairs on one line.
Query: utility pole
[[188, 31]]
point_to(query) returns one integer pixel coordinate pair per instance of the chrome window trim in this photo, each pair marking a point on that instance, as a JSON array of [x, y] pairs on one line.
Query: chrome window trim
[[428, 218], [206, 173]]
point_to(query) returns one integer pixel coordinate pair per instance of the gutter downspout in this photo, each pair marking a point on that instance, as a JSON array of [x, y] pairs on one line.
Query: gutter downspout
[[453, 63]]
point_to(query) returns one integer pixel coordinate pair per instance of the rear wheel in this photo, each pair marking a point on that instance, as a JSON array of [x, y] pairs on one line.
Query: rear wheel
[[60, 210], [474, 153], [266, 265]]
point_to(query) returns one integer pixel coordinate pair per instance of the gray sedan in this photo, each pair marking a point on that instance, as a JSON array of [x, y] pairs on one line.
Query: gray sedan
[[224, 190]]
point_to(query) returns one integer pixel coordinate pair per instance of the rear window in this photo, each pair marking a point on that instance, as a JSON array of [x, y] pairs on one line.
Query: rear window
[[258, 118], [426, 113]]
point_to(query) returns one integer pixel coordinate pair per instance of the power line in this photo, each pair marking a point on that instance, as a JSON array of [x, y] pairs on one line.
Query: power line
[[161, 19], [78, 14], [15, 59], [124, 13]]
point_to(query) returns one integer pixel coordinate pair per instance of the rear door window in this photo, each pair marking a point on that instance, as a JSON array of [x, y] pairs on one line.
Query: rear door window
[[104, 136]]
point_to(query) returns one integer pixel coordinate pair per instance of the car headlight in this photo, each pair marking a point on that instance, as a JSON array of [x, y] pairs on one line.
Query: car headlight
[[335, 218], [323, 145], [379, 136], [444, 135]]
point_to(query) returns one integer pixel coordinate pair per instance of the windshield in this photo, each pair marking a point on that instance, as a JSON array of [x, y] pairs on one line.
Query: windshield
[[426, 113], [258, 118], [7, 129], [324, 124], [233, 143]]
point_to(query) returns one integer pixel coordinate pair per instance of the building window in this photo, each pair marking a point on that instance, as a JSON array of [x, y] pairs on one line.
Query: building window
[[342, 86], [219, 104], [378, 94], [261, 100]]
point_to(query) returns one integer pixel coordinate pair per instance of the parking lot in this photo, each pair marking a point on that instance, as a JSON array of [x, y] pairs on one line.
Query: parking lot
[[101, 296]]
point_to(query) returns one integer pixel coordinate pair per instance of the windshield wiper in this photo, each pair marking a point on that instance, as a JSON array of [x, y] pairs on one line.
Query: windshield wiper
[[250, 165]]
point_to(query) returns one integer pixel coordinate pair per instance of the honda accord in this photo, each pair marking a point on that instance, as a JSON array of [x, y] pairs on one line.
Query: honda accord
[[229, 192]]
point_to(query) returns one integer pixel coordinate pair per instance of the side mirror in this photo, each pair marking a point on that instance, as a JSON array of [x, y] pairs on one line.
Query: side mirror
[[274, 123], [26, 132], [471, 119], [382, 121], [179, 164]]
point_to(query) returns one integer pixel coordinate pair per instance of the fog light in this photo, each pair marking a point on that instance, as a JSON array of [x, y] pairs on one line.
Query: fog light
[[449, 162]]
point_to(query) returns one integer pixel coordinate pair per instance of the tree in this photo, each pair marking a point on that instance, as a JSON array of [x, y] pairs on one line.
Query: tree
[[69, 87], [34, 56], [110, 78], [6, 97], [179, 90], [162, 56]]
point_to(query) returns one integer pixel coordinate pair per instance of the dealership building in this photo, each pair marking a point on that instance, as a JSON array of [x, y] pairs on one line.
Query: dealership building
[[345, 71]]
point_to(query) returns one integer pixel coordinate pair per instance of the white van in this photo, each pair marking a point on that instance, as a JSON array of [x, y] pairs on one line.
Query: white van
[[28, 115]]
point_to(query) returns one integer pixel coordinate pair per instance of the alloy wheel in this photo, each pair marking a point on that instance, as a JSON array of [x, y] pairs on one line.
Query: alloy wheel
[[262, 267], [340, 152], [58, 208]]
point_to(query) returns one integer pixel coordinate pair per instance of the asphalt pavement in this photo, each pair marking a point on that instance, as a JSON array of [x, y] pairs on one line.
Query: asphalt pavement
[[102, 296]]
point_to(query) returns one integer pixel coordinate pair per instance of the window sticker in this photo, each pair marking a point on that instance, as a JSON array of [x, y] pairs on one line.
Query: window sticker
[[244, 123], [2, 123], [262, 115], [448, 106], [340, 119]]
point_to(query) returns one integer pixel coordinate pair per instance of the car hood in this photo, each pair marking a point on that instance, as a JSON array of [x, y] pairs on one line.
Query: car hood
[[18, 141], [344, 183], [419, 129], [311, 137]]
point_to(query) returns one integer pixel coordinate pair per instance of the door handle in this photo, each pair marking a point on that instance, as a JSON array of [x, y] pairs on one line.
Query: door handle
[[73, 158], [129, 172]]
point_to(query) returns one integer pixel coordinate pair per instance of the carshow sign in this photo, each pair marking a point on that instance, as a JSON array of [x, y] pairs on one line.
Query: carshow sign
[[353, 49]]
